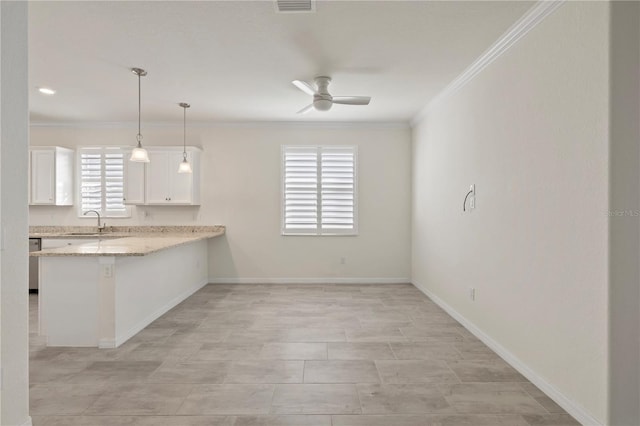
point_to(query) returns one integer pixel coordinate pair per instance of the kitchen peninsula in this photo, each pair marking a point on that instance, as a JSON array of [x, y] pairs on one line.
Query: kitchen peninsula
[[102, 292]]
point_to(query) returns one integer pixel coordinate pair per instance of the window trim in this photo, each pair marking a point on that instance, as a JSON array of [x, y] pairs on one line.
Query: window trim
[[103, 215], [318, 231]]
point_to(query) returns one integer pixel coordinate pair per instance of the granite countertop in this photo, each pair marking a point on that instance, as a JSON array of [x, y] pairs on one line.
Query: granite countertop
[[132, 241]]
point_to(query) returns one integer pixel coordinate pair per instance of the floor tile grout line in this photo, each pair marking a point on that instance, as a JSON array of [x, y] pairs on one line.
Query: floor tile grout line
[[273, 394], [184, 400], [454, 373], [359, 399], [375, 362], [392, 351]]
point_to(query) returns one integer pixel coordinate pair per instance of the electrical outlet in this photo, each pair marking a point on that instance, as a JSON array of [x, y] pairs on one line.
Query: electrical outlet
[[472, 294], [108, 271], [343, 260]]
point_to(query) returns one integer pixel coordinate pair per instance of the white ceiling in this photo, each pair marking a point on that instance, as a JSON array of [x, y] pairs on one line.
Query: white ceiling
[[234, 60]]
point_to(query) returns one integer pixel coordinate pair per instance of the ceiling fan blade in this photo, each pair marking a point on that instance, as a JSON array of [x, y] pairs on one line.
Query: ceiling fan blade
[[304, 86], [306, 109], [352, 100]]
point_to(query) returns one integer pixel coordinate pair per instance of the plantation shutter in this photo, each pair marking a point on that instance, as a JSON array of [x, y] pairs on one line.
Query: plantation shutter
[[319, 190], [102, 181], [338, 188], [114, 182], [300, 189], [90, 180]]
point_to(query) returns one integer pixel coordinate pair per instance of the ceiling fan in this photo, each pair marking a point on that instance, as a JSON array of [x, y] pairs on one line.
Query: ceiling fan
[[322, 100]]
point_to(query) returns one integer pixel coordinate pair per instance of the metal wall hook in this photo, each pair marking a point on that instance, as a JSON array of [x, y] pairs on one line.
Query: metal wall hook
[[464, 203]]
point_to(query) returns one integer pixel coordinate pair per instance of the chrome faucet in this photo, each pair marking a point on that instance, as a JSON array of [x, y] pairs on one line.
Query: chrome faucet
[[100, 226]]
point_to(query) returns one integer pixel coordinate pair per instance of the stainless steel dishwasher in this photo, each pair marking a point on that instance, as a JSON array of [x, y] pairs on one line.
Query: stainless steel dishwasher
[[35, 244]]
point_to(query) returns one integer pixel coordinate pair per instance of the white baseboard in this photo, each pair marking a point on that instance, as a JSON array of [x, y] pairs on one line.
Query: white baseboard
[[120, 339], [325, 280], [29, 422], [107, 344], [577, 411]]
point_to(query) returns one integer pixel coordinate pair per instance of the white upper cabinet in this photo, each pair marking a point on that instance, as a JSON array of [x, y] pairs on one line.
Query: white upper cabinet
[[134, 181], [164, 185], [51, 176], [158, 178]]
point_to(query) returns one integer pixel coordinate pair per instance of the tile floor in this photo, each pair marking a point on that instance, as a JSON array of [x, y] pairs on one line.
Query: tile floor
[[302, 355]]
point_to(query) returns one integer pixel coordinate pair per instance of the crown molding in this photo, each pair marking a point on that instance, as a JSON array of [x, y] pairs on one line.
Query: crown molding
[[519, 29], [226, 124]]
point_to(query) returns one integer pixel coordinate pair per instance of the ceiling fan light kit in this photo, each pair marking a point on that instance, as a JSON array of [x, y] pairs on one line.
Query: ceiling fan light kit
[[322, 99]]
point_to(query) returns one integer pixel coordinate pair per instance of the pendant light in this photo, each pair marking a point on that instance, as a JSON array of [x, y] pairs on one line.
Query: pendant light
[[139, 154], [184, 166]]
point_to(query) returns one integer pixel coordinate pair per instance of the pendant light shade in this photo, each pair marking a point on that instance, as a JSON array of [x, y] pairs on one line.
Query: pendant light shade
[[139, 154], [184, 166]]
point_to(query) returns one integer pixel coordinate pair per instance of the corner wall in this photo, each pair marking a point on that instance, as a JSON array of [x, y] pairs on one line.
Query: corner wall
[[531, 132], [241, 189], [624, 208], [14, 308]]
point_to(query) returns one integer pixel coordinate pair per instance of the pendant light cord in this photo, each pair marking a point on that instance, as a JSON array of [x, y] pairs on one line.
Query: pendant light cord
[[184, 106], [184, 135], [139, 137]]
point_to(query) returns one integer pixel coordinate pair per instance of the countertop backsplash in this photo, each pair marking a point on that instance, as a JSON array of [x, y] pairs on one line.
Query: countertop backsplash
[[169, 229]]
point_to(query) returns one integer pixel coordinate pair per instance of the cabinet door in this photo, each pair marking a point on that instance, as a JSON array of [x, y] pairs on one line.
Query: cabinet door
[[133, 181], [180, 188], [64, 161], [157, 178], [42, 177]]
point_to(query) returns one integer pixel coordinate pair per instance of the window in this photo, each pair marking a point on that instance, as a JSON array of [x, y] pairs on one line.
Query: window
[[101, 172], [319, 190]]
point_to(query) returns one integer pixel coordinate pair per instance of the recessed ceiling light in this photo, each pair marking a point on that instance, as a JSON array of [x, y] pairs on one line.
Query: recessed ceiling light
[[46, 91]]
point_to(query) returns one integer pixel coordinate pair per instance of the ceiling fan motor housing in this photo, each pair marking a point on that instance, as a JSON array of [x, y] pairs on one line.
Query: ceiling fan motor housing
[[322, 101]]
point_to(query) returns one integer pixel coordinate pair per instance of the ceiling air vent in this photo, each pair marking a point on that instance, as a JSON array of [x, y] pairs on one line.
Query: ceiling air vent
[[295, 6]]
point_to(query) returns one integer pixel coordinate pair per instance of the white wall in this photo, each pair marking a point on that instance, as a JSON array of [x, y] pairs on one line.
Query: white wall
[[531, 131], [241, 189], [14, 309]]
